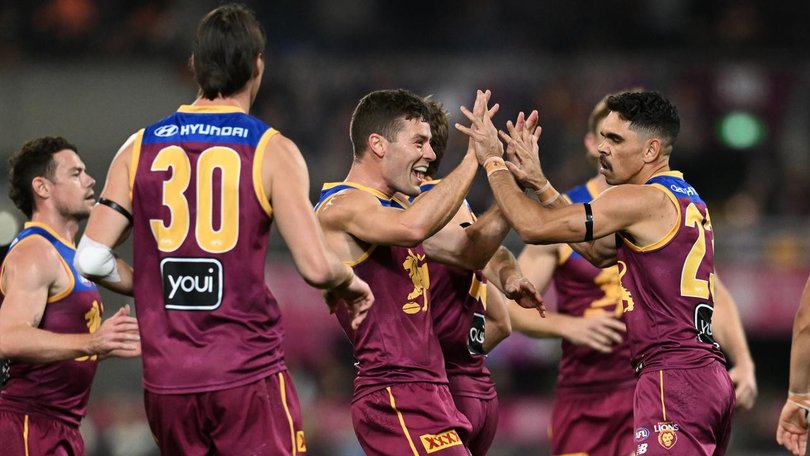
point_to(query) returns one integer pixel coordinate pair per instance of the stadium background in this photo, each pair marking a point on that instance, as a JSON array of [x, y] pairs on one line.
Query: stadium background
[[95, 71]]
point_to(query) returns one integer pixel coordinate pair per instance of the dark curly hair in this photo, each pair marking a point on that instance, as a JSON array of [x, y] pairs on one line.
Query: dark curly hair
[[34, 159], [382, 112], [649, 112]]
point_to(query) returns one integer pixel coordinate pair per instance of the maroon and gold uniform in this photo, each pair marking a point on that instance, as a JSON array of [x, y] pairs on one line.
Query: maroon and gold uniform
[[208, 321], [684, 398], [42, 405], [401, 404]]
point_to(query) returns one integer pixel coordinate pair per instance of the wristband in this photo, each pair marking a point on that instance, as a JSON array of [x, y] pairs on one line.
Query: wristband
[[547, 194], [494, 164]]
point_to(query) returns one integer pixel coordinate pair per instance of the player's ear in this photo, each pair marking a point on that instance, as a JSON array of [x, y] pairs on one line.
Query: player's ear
[[652, 150], [41, 186], [377, 144]]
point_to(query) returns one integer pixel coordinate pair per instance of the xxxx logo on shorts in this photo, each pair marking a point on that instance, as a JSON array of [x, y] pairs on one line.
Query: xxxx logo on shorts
[[438, 442], [667, 433]]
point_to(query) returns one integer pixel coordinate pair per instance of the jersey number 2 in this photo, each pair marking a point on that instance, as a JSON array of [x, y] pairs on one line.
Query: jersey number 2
[[690, 284], [224, 159]]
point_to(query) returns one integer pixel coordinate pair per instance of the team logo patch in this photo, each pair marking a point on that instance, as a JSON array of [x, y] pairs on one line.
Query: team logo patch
[[641, 434], [438, 442], [191, 283], [667, 434]]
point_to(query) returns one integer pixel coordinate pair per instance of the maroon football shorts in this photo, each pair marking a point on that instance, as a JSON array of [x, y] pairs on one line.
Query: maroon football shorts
[[684, 411], [33, 435], [410, 419], [483, 415], [261, 418]]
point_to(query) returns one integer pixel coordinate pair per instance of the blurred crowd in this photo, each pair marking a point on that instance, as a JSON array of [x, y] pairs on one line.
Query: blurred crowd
[[737, 70]]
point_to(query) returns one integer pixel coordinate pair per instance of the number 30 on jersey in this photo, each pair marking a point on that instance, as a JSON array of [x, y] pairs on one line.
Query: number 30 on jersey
[[224, 159]]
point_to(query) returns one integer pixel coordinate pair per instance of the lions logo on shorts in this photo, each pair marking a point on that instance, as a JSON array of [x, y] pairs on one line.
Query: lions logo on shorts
[[667, 434]]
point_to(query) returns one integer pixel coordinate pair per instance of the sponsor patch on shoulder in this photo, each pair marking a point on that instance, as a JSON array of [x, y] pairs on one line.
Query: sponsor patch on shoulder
[[440, 441]]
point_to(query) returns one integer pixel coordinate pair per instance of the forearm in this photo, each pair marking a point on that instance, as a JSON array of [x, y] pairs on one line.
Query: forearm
[[433, 210], [529, 323], [498, 325], [484, 237], [728, 328], [34, 345], [800, 348], [501, 267], [124, 285]]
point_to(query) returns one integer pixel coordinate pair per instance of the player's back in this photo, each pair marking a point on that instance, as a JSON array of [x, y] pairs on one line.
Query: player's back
[[60, 389], [670, 282], [201, 222]]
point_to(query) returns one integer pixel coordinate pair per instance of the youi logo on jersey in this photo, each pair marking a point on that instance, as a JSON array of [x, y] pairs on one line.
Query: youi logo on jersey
[[191, 283]]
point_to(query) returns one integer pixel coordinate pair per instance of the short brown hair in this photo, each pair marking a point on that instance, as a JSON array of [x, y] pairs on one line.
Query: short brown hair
[[34, 159], [382, 112]]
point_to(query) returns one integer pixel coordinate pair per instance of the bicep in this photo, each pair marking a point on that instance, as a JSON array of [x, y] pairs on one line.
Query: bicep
[[26, 282], [106, 225], [286, 177]]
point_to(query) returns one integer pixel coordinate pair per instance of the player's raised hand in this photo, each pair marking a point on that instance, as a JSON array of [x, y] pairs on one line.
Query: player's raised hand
[[791, 431], [482, 132], [357, 297], [522, 150]]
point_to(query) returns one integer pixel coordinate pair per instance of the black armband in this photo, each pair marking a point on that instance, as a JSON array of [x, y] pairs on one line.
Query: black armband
[[588, 223], [116, 207]]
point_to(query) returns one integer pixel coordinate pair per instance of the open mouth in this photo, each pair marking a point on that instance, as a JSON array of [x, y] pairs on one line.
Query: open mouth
[[604, 164], [420, 172]]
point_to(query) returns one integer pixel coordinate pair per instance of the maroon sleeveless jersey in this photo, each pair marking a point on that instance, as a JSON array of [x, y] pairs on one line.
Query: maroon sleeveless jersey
[[583, 290], [201, 220], [671, 286], [61, 389], [396, 343]]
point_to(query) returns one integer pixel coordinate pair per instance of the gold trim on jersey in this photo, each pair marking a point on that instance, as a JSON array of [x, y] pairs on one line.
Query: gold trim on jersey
[[70, 245], [258, 182], [564, 253], [355, 186], [210, 109], [672, 231], [135, 159], [401, 421], [591, 187], [283, 388]]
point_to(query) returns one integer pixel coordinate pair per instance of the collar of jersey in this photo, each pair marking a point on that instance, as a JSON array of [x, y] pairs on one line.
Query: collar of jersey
[[209, 109], [53, 233]]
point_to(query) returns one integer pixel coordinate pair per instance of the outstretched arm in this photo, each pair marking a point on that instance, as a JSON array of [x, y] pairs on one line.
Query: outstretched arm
[[791, 432], [286, 182], [599, 332], [466, 244], [729, 331]]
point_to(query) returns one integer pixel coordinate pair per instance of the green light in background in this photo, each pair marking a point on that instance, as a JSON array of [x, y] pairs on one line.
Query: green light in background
[[741, 130]]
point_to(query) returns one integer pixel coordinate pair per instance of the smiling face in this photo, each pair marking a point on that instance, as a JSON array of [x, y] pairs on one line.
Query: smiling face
[[406, 159], [72, 188], [621, 151]]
